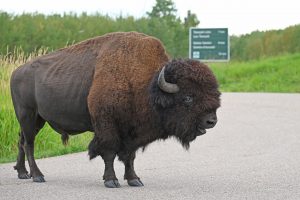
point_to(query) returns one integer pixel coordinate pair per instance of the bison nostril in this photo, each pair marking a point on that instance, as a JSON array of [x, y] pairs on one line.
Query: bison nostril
[[211, 122]]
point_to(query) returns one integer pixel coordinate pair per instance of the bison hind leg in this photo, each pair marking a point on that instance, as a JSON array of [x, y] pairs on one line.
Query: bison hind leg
[[20, 166], [30, 123]]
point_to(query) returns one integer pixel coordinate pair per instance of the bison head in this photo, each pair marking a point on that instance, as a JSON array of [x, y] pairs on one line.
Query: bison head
[[185, 95]]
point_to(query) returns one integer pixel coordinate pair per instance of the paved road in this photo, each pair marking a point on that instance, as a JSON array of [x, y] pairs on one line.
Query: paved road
[[253, 153]]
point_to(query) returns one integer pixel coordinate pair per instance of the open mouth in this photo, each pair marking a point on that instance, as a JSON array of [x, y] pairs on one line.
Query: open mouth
[[200, 130]]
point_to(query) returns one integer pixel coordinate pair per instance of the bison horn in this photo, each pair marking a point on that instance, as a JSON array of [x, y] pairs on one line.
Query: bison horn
[[164, 85]]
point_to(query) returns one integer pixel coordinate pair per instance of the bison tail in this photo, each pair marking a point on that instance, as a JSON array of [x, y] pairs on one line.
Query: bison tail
[[65, 138]]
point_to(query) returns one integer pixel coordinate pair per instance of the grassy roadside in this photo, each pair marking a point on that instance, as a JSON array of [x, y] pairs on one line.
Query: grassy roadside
[[278, 74]]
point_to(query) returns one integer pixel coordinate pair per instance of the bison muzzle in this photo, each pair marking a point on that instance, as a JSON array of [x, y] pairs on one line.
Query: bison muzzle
[[121, 86]]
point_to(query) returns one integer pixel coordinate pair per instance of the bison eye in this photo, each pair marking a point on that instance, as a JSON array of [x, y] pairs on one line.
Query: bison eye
[[188, 99]]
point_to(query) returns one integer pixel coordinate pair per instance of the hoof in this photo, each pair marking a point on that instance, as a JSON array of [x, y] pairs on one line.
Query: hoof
[[135, 182], [38, 179], [112, 184], [24, 176]]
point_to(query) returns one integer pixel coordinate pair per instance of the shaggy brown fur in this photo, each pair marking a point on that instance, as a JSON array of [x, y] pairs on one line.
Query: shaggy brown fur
[[118, 98]]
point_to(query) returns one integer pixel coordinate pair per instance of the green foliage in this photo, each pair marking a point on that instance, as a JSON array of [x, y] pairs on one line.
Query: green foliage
[[163, 9], [191, 20], [260, 44], [274, 74], [35, 31]]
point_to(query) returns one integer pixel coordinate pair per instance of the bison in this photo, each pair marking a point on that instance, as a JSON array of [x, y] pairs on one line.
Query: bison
[[121, 86]]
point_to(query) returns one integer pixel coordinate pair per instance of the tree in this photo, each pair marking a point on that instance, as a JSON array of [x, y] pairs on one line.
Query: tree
[[163, 9], [191, 20]]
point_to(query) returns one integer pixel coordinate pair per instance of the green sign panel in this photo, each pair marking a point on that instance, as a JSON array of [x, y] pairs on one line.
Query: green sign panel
[[209, 44]]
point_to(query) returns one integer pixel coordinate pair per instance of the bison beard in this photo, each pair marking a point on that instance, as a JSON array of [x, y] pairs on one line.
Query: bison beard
[[121, 86]]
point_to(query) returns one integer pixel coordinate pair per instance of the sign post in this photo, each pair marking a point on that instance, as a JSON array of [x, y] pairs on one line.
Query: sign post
[[209, 44]]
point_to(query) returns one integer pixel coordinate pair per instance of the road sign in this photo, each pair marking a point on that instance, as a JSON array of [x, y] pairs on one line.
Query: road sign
[[209, 44]]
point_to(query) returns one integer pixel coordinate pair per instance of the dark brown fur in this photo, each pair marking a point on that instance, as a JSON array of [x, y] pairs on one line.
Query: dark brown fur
[[118, 98]]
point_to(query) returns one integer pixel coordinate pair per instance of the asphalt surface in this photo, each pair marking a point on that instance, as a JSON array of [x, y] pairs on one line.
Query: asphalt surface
[[252, 153]]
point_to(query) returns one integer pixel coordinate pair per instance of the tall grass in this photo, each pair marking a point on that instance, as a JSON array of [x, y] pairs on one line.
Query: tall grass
[[48, 142]]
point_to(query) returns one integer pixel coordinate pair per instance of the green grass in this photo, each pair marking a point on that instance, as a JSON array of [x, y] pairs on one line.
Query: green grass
[[278, 74]]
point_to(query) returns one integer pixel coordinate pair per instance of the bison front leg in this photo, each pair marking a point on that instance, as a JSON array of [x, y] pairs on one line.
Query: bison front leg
[[130, 175], [107, 150], [109, 177]]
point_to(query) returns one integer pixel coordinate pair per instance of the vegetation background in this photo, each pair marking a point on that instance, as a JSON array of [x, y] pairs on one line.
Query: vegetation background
[[262, 61], [35, 31]]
